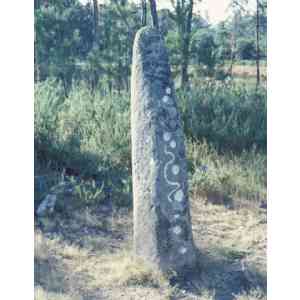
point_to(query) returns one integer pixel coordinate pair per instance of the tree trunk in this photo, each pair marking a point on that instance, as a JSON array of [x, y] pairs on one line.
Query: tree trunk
[[233, 46], [36, 61], [96, 20], [95, 80], [257, 45], [144, 12], [184, 67], [154, 14], [230, 70], [36, 4], [186, 46]]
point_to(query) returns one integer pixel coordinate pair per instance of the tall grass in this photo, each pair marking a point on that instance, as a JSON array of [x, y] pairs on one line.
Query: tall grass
[[90, 133], [226, 177], [229, 115], [83, 130], [86, 133]]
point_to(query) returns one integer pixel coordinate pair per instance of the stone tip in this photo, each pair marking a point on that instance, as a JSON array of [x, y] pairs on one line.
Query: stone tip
[[146, 34]]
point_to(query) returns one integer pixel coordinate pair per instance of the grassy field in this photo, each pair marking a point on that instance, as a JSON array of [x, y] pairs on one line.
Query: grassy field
[[248, 71], [84, 250], [88, 256], [243, 72]]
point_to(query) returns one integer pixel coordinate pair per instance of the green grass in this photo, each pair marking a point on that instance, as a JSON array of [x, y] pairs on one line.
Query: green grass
[[90, 134], [229, 177], [229, 115], [247, 62]]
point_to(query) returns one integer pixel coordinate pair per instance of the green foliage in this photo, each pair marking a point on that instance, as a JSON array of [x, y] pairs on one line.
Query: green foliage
[[90, 133], [70, 48], [246, 49], [63, 32], [222, 37], [67, 47], [173, 45], [205, 52], [229, 115], [85, 132], [87, 192], [49, 97]]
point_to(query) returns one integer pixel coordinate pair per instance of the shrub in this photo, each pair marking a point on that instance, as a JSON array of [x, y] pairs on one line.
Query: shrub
[[86, 133], [246, 49], [204, 50], [228, 115], [89, 134]]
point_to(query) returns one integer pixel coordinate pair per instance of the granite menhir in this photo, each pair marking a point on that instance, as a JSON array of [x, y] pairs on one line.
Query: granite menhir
[[162, 224]]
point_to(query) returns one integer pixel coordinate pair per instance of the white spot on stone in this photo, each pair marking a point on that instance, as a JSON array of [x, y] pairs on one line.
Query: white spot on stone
[[173, 144], [177, 230], [152, 162], [167, 136], [175, 169], [176, 217], [182, 250], [179, 195], [166, 99], [168, 90]]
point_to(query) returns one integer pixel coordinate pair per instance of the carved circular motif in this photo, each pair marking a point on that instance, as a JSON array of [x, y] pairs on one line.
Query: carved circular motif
[[166, 99], [166, 136], [175, 169], [182, 250], [179, 195], [177, 230], [173, 144]]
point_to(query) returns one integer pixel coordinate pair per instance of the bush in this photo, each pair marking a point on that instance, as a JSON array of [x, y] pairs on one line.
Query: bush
[[89, 135], [246, 49], [228, 115], [204, 50]]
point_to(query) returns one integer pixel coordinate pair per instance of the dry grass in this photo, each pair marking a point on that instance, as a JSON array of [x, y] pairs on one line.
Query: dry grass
[[248, 71], [123, 269], [252, 295], [233, 248], [41, 294], [88, 257], [64, 270]]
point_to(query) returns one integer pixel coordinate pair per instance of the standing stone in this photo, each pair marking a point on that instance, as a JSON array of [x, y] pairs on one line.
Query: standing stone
[[162, 225]]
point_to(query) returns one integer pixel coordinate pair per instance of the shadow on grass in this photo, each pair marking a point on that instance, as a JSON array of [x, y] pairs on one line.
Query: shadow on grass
[[89, 228], [56, 278], [224, 278], [56, 158], [50, 274], [219, 274]]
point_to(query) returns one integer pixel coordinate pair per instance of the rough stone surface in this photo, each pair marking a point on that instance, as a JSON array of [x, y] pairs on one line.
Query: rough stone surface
[[47, 205], [162, 226], [60, 197]]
